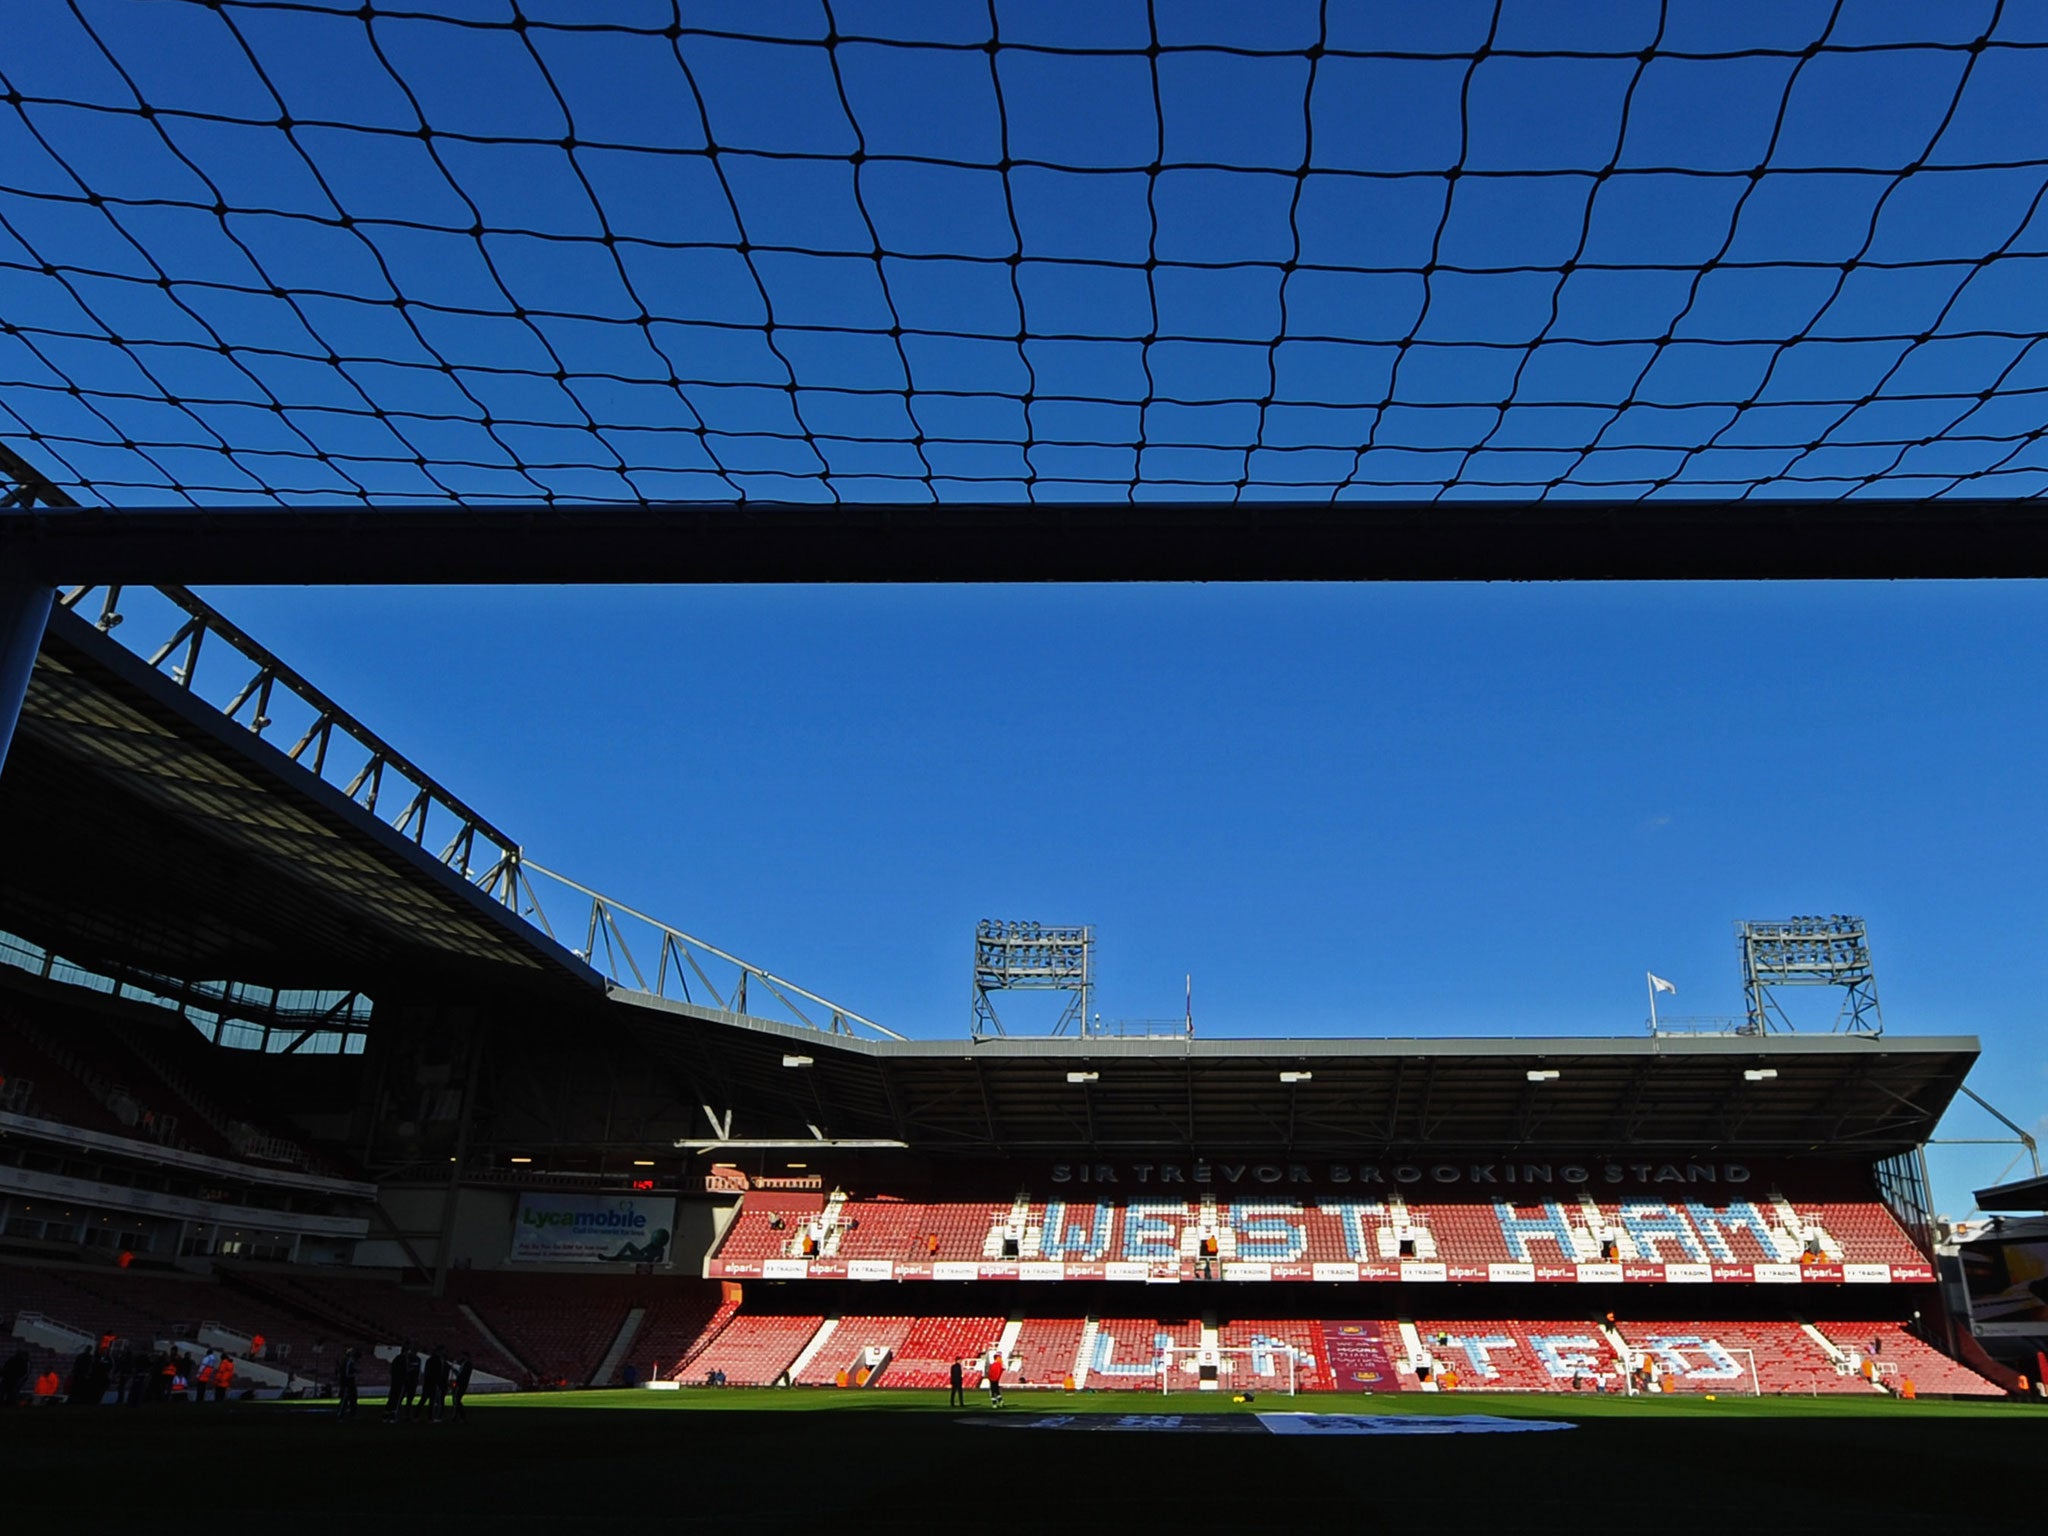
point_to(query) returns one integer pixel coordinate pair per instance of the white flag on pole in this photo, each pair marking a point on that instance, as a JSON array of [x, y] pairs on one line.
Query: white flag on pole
[[1659, 984]]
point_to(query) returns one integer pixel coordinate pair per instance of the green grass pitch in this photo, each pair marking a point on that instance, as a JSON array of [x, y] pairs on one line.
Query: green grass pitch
[[822, 1461]]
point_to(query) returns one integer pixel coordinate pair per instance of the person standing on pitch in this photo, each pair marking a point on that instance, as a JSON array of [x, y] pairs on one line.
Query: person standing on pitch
[[345, 1392], [434, 1392], [995, 1380], [956, 1395], [459, 1382], [398, 1396]]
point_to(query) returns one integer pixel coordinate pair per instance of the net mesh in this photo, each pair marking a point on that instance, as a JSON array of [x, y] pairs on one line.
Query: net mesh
[[492, 251]]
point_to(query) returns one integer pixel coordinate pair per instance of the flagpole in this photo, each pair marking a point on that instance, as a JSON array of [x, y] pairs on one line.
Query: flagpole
[[1650, 982]]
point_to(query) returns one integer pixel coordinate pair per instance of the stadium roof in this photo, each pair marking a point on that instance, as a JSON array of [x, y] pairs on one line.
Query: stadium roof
[[2020, 1195], [150, 829], [1459, 259], [1669, 1095], [146, 829]]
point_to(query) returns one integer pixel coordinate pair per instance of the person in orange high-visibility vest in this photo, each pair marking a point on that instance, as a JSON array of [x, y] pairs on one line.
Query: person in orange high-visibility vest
[[48, 1385], [223, 1378], [256, 1347]]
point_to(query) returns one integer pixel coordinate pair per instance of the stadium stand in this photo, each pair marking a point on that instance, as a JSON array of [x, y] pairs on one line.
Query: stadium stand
[[899, 1230], [1864, 1232], [773, 1225], [1514, 1355], [934, 1343], [62, 1297], [1046, 1351], [754, 1350], [560, 1325], [1305, 1232], [150, 364], [681, 1321], [52, 1084], [1895, 1355], [1716, 1356], [1267, 1346], [383, 1313], [855, 1352], [1131, 1353]]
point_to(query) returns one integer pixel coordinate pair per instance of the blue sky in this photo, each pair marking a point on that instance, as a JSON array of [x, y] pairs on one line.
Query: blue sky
[[1375, 810], [789, 250]]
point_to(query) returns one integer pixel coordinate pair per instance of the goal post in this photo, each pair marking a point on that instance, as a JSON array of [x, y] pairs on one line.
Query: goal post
[[1175, 1374]]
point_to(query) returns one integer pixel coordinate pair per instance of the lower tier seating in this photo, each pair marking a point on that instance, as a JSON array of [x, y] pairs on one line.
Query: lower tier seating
[[1268, 1348], [934, 1343], [679, 1323], [1716, 1356], [1518, 1356], [754, 1351], [844, 1357], [560, 1325], [1045, 1350], [1889, 1345], [1129, 1352]]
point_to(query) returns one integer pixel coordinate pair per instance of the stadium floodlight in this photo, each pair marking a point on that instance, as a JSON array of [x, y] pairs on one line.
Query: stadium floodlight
[[518, 1159], [1083, 1077], [1296, 1077], [1758, 1074], [798, 1061], [1544, 1075], [643, 1162]]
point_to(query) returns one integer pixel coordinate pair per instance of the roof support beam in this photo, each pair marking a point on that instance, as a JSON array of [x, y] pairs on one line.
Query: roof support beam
[[443, 544], [24, 611]]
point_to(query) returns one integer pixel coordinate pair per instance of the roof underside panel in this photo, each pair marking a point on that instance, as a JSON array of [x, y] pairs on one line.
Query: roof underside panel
[[1830, 1095], [145, 830]]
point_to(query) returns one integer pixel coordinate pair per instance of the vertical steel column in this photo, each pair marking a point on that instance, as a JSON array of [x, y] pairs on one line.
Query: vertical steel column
[[24, 610]]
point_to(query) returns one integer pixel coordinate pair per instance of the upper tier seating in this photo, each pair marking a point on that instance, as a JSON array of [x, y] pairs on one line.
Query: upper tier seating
[[1867, 1232], [898, 1230], [1384, 1229], [54, 1090], [129, 1070], [769, 1224]]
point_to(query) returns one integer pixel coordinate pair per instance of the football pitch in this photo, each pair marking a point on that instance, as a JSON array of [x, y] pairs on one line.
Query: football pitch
[[816, 1460]]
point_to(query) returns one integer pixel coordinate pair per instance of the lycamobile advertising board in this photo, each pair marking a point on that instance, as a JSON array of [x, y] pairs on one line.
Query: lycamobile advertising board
[[593, 1229]]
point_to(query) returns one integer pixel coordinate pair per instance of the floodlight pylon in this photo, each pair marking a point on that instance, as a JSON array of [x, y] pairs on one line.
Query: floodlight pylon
[[1829, 951], [1032, 957]]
